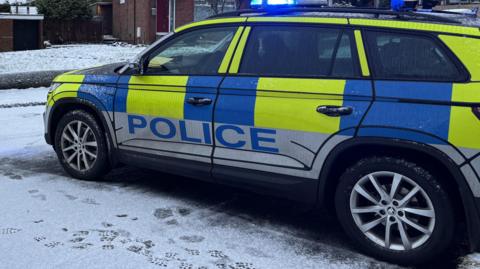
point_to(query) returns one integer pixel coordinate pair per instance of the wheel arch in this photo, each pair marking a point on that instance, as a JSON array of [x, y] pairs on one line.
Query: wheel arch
[[67, 104], [346, 153]]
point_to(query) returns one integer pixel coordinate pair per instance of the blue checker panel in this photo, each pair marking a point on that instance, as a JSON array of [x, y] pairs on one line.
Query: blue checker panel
[[203, 87], [436, 91], [236, 102], [357, 94], [121, 95], [101, 96], [103, 79], [428, 118]]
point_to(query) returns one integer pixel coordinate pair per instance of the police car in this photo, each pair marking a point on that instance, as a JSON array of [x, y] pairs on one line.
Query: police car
[[373, 113]]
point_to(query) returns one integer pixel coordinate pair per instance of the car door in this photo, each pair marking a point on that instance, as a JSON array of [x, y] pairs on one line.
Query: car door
[[289, 90], [167, 111], [422, 92]]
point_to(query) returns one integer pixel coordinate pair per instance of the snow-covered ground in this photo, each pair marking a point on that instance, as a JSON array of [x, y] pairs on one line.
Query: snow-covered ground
[[470, 261], [19, 97], [145, 219], [66, 57]]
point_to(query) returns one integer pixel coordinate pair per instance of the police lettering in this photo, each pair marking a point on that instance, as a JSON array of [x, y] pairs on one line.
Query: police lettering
[[260, 139]]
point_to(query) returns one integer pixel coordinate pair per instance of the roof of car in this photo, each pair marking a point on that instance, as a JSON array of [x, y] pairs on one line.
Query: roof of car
[[445, 22]]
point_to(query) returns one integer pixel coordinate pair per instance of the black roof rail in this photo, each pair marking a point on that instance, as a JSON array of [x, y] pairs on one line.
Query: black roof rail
[[402, 15]]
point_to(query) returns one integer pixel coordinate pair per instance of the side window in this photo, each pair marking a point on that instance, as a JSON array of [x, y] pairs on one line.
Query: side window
[[199, 52], [415, 57], [299, 51], [344, 65]]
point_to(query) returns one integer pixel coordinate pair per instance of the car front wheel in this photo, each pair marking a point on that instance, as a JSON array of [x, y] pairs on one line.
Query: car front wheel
[[395, 210], [81, 146]]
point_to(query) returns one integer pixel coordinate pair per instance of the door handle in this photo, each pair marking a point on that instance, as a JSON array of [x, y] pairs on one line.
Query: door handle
[[335, 111], [199, 101]]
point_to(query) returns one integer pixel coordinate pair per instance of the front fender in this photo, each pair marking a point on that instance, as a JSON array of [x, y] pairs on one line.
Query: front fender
[[65, 104]]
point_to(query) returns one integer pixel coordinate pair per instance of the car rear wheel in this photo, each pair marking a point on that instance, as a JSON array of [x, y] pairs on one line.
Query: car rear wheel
[[81, 146], [394, 210]]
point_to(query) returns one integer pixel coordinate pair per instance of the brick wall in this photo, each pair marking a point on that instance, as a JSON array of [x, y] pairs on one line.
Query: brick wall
[[130, 15], [125, 28], [184, 10], [123, 20], [146, 21], [6, 35]]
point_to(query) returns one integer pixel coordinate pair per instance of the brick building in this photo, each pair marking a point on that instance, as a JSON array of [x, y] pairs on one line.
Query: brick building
[[21, 30], [142, 21]]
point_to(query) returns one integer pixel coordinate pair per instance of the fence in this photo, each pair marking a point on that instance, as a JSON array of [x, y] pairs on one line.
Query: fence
[[63, 31]]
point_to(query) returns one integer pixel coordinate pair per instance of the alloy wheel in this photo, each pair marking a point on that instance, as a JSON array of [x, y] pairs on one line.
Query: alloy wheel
[[79, 145], [392, 210]]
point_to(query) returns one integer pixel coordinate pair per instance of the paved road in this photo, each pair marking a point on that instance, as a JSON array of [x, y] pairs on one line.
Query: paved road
[[144, 219]]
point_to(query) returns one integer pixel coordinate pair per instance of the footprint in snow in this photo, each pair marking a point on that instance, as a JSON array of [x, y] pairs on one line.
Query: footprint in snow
[[39, 238], [71, 197], [217, 254], [193, 252], [106, 224], [192, 238], [42, 197], [163, 213], [9, 231], [89, 201], [108, 247], [53, 244]]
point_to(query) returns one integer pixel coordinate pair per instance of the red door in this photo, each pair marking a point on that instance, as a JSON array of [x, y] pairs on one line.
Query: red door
[[163, 9]]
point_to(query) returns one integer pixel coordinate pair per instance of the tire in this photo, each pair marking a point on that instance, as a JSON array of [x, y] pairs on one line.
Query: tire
[[433, 237], [83, 165]]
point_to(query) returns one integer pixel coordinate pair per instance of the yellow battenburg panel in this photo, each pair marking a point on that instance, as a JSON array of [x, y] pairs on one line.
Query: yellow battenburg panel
[[50, 100], [237, 58], [161, 96], [361, 53], [299, 20], [272, 110], [231, 48], [431, 27], [467, 50], [72, 72], [68, 78], [464, 130], [63, 91], [210, 22]]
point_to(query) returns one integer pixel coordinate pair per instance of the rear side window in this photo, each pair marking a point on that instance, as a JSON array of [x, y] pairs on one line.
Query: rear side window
[[299, 51], [410, 57]]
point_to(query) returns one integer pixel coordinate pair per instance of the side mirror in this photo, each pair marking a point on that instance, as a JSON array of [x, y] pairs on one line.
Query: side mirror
[[138, 66], [133, 65]]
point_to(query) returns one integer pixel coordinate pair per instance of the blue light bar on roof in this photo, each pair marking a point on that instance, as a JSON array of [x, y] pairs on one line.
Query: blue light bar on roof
[[280, 2], [272, 2], [397, 5]]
